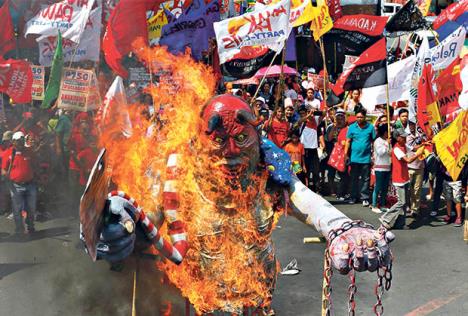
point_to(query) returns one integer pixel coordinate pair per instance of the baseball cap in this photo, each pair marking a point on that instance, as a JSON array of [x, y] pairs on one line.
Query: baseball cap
[[340, 112], [288, 103], [261, 99], [17, 136], [7, 136], [399, 132]]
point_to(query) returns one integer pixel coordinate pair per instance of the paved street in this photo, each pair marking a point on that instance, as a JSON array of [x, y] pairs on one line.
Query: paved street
[[49, 274]]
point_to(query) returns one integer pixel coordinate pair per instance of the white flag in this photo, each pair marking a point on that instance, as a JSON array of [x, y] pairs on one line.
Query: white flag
[[399, 84], [70, 17], [88, 48], [423, 57], [445, 53], [114, 109], [268, 26], [463, 98]]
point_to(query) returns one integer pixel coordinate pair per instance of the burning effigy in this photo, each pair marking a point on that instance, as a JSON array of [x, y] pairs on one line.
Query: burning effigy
[[208, 190]]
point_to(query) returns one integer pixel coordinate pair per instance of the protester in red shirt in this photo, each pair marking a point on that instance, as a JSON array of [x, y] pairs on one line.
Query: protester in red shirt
[[18, 169], [395, 216], [86, 159], [278, 128]]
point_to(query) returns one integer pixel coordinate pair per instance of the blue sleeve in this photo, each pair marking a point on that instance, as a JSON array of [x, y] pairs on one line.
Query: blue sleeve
[[278, 162], [373, 134], [349, 133]]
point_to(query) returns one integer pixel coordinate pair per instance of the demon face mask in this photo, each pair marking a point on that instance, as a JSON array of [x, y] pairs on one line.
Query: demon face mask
[[229, 137]]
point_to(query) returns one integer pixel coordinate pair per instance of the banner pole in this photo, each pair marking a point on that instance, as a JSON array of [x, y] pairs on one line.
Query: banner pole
[[325, 71], [261, 81], [388, 98], [281, 78]]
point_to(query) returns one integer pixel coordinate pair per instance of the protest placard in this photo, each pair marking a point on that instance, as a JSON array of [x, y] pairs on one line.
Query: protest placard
[[78, 90], [140, 76], [37, 91]]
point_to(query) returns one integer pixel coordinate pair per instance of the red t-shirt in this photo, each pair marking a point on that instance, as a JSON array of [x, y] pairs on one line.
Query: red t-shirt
[[278, 132], [87, 158], [400, 175], [22, 170], [296, 152], [76, 143]]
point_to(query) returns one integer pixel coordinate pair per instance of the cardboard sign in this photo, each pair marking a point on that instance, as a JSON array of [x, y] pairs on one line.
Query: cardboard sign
[[78, 90], [140, 76], [37, 91]]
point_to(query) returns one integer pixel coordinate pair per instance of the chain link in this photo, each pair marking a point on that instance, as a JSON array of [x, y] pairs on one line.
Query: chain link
[[379, 290], [327, 289], [345, 227], [388, 276], [352, 289]]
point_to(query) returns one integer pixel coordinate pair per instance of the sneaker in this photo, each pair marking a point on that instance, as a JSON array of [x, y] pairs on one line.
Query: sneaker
[[351, 201], [376, 210], [10, 217], [340, 198], [365, 203], [446, 219], [428, 197], [433, 213], [458, 222]]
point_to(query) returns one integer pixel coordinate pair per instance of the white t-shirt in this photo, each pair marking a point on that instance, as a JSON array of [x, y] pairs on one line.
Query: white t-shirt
[[314, 104], [309, 135], [382, 158], [291, 94]]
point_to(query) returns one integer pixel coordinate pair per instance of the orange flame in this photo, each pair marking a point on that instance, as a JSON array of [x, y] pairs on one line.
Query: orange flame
[[224, 268]]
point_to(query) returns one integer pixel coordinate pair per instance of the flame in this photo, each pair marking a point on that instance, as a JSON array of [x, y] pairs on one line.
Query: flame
[[222, 269]]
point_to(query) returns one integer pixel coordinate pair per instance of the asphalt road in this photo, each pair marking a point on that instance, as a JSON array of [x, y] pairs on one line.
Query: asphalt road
[[48, 274]]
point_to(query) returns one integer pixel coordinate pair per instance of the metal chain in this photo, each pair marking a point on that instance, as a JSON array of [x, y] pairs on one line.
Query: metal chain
[[388, 276], [352, 289], [345, 227], [327, 289], [379, 290]]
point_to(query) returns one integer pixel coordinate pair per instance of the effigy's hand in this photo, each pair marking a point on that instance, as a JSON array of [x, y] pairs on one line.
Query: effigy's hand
[[356, 245], [117, 239], [277, 161]]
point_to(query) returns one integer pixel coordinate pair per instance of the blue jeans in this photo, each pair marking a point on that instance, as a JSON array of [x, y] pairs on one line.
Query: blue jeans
[[382, 179], [23, 197]]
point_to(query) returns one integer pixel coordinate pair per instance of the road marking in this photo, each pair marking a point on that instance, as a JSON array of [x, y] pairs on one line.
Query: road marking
[[433, 305]]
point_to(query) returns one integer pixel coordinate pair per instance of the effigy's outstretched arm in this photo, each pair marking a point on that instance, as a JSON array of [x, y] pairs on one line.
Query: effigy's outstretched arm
[[313, 209]]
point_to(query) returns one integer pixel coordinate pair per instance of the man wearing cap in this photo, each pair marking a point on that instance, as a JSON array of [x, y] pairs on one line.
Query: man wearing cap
[[395, 216], [5, 148], [17, 168]]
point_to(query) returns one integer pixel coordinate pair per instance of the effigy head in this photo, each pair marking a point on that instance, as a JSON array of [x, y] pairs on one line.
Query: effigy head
[[229, 136]]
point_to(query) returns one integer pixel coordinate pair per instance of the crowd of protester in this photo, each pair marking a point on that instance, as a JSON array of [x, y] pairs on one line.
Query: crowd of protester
[[46, 155], [387, 159]]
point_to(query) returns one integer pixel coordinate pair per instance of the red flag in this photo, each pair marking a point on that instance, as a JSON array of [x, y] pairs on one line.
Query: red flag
[[334, 9], [451, 13], [449, 88], [7, 35], [369, 70], [16, 80], [428, 113], [126, 22]]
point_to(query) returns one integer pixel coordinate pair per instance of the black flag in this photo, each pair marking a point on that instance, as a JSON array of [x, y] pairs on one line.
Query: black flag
[[408, 19]]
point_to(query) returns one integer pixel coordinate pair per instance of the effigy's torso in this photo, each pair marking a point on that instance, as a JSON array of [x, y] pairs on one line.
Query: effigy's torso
[[231, 262]]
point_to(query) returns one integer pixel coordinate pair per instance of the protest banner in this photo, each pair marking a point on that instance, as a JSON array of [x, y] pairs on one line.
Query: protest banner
[[87, 49], [247, 67], [349, 59], [355, 33], [78, 90], [452, 145], [68, 16], [448, 88], [192, 29], [463, 98], [448, 50], [155, 25], [408, 19], [139, 75], [37, 90], [322, 21], [422, 58], [269, 26], [16, 80]]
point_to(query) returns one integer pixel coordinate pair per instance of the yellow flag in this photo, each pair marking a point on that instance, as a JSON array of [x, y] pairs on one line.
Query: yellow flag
[[302, 12], [424, 6], [452, 144], [155, 25], [322, 22], [433, 114]]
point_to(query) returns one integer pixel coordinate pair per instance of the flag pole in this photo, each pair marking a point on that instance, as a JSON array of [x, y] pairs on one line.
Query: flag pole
[[281, 78], [262, 80], [325, 71], [388, 97]]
